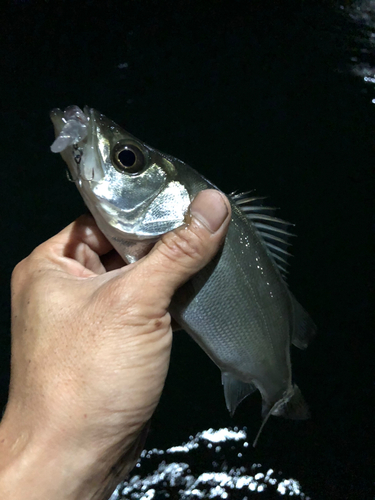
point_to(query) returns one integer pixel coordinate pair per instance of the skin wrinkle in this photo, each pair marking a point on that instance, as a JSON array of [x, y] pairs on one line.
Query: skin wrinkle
[[85, 255], [180, 242]]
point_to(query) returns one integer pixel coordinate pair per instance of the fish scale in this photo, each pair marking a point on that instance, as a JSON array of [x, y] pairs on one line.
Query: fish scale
[[248, 328]]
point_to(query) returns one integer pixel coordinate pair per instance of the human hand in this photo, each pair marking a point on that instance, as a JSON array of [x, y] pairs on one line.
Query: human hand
[[90, 352]]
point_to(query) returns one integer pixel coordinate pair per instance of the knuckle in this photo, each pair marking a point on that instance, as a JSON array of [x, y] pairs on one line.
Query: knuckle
[[27, 267], [183, 244], [44, 249], [20, 275], [18, 271]]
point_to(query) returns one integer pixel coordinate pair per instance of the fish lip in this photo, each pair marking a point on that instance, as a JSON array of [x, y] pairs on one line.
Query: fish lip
[[89, 113], [91, 142]]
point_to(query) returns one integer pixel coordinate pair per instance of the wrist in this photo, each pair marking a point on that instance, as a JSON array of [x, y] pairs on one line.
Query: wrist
[[45, 465]]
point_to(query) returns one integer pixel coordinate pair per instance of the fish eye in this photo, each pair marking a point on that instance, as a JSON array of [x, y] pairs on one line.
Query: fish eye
[[128, 158]]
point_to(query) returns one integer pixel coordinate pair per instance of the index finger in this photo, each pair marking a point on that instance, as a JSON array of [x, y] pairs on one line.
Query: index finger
[[84, 231]]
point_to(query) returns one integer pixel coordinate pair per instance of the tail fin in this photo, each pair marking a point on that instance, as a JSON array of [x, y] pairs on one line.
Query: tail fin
[[291, 405]]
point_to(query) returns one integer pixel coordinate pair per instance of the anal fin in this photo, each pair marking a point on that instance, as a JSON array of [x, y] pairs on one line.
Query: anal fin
[[235, 391]]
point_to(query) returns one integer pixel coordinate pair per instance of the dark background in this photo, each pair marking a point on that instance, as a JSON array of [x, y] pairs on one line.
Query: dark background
[[253, 94]]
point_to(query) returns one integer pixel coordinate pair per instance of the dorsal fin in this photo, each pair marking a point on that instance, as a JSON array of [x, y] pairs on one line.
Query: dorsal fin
[[273, 231]]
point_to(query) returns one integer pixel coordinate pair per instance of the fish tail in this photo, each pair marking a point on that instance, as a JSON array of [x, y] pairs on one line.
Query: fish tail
[[292, 406]]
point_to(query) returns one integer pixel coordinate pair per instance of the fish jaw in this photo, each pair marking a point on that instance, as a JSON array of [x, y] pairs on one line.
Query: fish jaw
[[76, 141]]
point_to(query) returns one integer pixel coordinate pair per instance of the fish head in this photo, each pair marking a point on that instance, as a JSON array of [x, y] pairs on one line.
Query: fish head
[[125, 183]]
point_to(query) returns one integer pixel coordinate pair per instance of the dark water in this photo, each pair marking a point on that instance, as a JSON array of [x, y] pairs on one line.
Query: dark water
[[253, 94]]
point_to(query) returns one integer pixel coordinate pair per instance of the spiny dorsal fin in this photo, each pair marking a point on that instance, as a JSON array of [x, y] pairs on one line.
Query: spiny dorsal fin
[[273, 231]]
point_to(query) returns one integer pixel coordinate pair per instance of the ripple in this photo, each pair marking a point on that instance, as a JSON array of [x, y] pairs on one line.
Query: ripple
[[209, 465]]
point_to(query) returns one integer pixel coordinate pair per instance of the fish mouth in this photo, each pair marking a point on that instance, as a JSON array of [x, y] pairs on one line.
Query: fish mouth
[[90, 169], [89, 113], [76, 141], [71, 127]]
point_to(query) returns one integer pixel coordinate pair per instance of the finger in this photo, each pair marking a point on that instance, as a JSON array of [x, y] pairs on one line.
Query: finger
[[183, 252], [77, 248], [83, 230]]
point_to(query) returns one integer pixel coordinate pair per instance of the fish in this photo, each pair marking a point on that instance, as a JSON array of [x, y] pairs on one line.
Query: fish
[[239, 308]]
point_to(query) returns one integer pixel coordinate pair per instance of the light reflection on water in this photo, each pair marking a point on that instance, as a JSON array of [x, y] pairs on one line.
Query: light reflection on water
[[363, 13], [209, 465]]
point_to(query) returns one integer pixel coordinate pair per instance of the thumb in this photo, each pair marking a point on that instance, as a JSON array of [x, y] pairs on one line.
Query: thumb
[[186, 250]]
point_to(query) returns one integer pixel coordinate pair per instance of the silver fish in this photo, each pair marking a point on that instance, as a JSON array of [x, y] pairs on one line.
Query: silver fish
[[238, 308]]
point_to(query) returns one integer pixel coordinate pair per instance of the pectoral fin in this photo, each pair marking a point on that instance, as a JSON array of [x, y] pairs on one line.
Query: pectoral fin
[[235, 391]]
